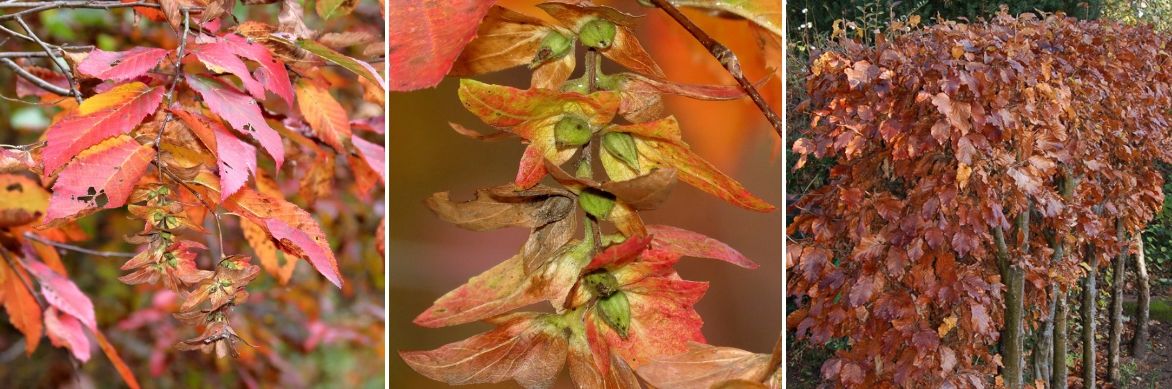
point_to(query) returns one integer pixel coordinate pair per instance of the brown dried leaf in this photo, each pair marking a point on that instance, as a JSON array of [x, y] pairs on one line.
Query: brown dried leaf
[[502, 206], [704, 366]]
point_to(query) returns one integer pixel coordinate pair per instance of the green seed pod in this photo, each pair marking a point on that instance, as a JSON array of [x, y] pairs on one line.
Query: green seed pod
[[553, 46], [622, 146], [596, 203], [602, 283], [572, 131], [597, 33], [616, 312]]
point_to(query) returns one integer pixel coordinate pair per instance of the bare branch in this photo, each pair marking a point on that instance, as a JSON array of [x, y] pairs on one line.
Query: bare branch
[[53, 58], [83, 250], [40, 6], [39, 82], [726, 58]]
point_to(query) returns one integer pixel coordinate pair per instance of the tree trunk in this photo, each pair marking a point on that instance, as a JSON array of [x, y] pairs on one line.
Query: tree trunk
[[1058, 360], [1012, 344], [1116, 324], [1089, 295], [1139, 344], [1053, 371]]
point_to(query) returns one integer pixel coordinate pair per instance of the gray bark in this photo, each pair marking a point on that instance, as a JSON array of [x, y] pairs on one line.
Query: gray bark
[[1139, 344]]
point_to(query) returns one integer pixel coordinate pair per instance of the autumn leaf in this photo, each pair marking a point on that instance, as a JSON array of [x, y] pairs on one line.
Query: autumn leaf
[[324, 114], [65, 331], [659, 143], [61, 293], [102, 176], [374, 155], [22, 200], [219, 57], [663, 320], [506, 107], [704, 366], [421, 54], [508, 286], [691, 244], [100, 117], [362, 69], [235, 159], [292, 229], [643, 192], [507, 39], [23, 310], [242, 112], [121, 65], [504, 206], [527, 347], [271, 260], [642, 96]]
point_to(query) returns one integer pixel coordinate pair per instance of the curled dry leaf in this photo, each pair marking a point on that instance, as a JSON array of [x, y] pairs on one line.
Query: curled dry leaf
[[704, 366], [504, 206], [642, 192], [508, 39]]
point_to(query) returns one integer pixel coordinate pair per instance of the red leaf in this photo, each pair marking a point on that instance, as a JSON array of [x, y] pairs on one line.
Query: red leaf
[[98, 118], [692, 244], [103, 176], [65, 331], [219, 57], [121, 65], [236, 160], [63, 294], [619, 254], [532, 168], [292, 229], [242, 112], [525, 347], [271, 73], [373, 154], [428, 38]]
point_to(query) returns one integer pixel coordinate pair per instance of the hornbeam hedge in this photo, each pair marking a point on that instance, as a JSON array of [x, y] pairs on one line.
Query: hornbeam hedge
[[981, 171]]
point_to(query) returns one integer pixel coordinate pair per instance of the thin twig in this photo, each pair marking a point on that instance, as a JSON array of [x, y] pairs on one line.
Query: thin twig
[[726, 58], [83, 250], [169, 97], [39, 54], [53, 58], [41, 6], [39, 82]]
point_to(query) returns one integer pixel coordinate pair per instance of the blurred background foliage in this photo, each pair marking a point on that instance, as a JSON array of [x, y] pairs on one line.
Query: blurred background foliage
[[305, 334], [429, 257], [814, 27]]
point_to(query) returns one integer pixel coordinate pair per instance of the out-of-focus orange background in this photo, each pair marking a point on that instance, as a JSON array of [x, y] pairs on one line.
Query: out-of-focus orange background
[[428, 257]]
